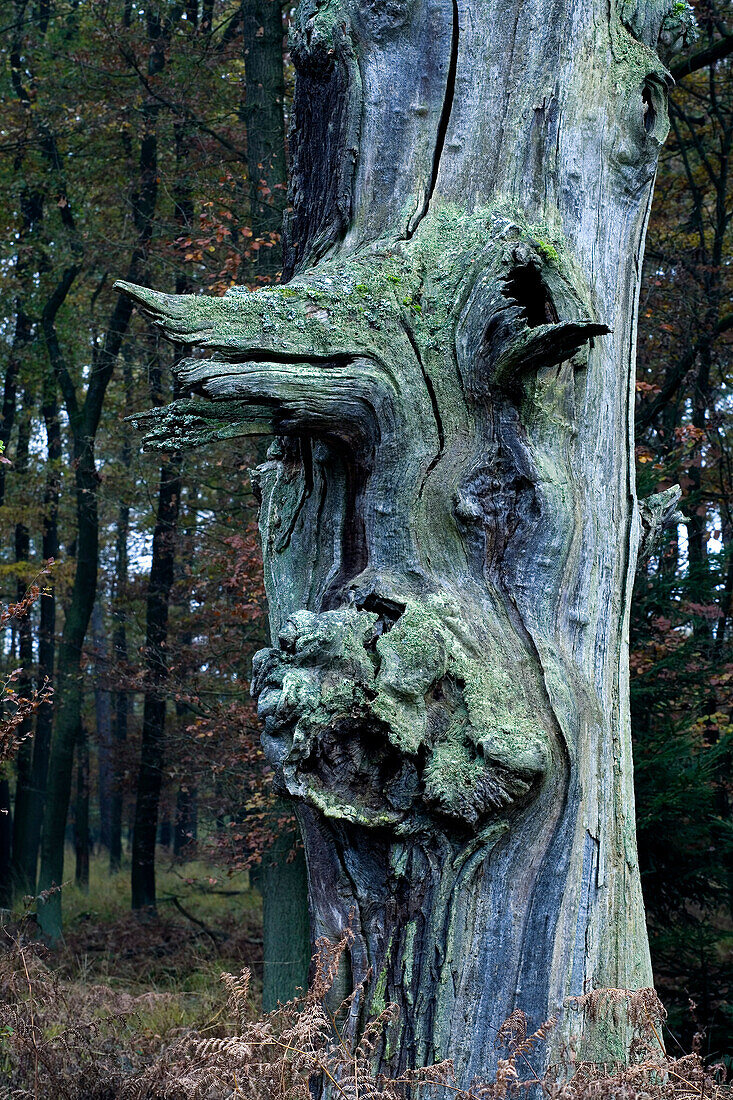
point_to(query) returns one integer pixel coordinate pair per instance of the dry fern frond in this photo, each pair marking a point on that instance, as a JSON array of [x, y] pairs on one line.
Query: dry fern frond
[[642, 1007], [327, 961], [79, 1043], [513, 1030], [237, 987]]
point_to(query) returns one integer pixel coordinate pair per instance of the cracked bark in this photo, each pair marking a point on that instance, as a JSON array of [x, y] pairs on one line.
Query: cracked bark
[[449, 520]]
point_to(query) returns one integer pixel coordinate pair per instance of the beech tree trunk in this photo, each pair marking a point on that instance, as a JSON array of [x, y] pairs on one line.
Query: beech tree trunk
[[449, 519], [25, 848], [119, 641], [103, 721], [152, 750]]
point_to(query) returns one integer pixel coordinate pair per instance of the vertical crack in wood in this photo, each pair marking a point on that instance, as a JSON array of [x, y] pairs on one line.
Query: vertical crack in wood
[[434, 405], [442, 132]]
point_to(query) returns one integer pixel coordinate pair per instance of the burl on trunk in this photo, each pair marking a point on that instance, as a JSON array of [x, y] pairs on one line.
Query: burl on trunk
[[449, 520]]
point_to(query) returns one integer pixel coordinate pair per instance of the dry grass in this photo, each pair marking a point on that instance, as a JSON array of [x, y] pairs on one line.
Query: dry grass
[[72, 1041]]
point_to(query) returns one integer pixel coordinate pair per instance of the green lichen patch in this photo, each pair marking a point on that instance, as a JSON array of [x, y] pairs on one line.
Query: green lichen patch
[[548, 252]]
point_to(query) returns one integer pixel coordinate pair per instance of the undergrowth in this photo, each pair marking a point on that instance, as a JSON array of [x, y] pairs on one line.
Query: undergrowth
[[206, 922], [61, 1039]]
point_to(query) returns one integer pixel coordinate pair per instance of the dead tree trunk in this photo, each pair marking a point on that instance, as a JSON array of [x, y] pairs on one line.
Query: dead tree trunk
[[449, 519]]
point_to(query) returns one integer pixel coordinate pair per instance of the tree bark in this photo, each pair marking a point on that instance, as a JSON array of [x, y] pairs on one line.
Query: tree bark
[[103, 720], [81, 811], [449, 520], [262, 34], [152, 750], [119, 643], [283, 883], [25, 852]]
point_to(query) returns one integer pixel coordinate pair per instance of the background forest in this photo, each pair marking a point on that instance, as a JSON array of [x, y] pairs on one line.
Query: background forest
[[148, 141]]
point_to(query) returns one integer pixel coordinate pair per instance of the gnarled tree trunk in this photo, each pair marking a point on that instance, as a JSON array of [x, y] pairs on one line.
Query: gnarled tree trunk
[[449, 520]]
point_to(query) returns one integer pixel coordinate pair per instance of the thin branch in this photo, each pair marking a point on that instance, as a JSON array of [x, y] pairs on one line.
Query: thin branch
[[182, 112], [194, 920], [702, 58], [56, 356]]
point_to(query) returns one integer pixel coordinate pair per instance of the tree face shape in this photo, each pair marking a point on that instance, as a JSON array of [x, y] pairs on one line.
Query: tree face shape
[[448, 516], [408, 697], [411, 730]]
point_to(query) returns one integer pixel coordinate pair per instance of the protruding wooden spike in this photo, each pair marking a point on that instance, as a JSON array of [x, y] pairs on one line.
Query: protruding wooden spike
[[534, 348], [169, 311], [186, 423]]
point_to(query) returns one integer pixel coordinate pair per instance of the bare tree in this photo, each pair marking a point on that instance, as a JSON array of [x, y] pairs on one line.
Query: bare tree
[[449, 519]]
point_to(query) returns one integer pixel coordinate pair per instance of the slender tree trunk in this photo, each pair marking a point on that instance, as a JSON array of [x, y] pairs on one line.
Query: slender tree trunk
[[119, 644], [119, 735], [262, 37], [103, 716], [81, 811], [185, 828], [152, 752], [25, 849], [449, 520]]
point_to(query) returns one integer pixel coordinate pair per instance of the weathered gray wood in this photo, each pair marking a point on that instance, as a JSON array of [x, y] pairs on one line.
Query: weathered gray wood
[[449, 520]]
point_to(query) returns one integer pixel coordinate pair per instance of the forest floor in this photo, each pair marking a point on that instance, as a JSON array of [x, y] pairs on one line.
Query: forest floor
[[206, 923], [133, 1008], [122, 987]]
